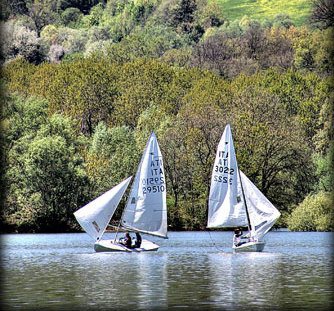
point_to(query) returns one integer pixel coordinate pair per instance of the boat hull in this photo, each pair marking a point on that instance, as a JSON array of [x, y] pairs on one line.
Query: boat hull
[[250, 247], [110, 246]]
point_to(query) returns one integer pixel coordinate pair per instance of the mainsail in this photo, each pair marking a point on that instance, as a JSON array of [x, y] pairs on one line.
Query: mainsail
[[234, 201], [226, 208], [95, 216], [146, 209]]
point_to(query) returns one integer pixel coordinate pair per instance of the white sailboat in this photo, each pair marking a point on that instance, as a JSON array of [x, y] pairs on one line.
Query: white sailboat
[[145, 211], [234, 201]]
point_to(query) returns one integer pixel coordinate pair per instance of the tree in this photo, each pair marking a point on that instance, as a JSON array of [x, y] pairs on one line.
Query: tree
[[85, 90], [323, 13], [149, 42], [43, 12], [270, 146], [83, 5], [113, 155], [189, 147], [45, 177], [71, 17], [278, 50], [179, 14], [17, 75], [253, 39], [313, 214], [13, 7], [214, 53], [143, 84], [20, 41], [210, 15]]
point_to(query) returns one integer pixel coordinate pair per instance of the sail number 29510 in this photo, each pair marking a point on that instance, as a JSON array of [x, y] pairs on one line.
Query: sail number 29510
[[153, 189], [153, 184]]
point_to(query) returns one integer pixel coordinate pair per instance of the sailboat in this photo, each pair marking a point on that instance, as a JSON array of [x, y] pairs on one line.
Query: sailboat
[[234, 201], [145, 211]]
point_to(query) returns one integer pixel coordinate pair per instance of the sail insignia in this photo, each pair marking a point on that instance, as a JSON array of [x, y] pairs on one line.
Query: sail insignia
[[96, 226]]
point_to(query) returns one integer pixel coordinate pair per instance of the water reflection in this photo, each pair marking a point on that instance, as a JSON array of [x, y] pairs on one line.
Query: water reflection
[[242, 279], [270, 280], [189, 271]]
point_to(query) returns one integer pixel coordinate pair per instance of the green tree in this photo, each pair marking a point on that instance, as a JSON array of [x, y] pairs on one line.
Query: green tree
[[45, 177], [315, 213], [112, 156], [142, 84], [324, 167], [148, 42], [85, 90], [94, 16], [189, 148], [43, 12], [71, 17], [270, 146], [179, 14]]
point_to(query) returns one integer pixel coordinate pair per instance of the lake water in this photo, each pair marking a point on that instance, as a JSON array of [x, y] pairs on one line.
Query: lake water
[[190, 271]]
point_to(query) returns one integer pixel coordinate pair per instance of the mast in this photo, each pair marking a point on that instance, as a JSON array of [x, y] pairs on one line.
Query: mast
[[243, 196]]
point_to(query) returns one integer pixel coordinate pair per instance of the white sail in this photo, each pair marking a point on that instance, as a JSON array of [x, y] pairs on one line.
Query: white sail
[[262, 212], [146, 209], [95, 216], [226, 208]]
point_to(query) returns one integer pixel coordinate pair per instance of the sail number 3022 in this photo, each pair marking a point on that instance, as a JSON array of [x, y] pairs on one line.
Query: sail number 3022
[[224, 169]]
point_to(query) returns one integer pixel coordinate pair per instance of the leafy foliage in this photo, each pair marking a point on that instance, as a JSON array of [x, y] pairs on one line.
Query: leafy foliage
[[45, 176], [112, 156], [323, 13], [313, 214], [87, 81]]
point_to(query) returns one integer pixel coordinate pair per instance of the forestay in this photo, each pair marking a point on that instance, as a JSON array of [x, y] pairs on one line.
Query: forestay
[[226, 208], [146, 207], [95, 216]]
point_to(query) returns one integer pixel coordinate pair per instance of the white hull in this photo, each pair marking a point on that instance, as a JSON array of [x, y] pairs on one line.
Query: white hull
[[250, 247], [110, 246]]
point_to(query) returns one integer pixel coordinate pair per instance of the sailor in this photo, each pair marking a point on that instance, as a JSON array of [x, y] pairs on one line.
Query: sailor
[[127, 240], [237, 237], [138, 240]]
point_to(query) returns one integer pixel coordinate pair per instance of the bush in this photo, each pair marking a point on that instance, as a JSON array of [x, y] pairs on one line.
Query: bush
[[20, 41], [315, 213], [71, 17]]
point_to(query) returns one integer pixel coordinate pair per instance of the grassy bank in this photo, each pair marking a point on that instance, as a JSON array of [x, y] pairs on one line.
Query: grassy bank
[[298, 10]]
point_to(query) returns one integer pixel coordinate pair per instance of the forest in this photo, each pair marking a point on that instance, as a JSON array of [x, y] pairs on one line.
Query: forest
[[85, 82]]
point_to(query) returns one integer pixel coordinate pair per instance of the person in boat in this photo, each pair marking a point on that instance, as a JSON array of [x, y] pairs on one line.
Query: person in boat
[[127, 241], [238, 238], [138, 240]]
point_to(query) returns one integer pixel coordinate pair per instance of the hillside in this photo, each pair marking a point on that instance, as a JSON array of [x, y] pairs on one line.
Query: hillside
[[298, 10], [88, 82]]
